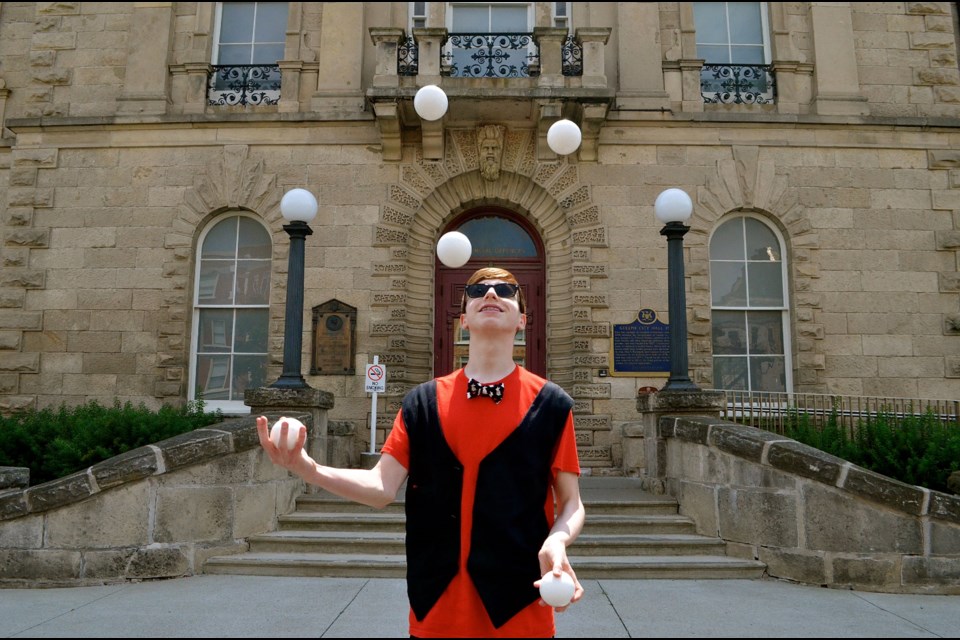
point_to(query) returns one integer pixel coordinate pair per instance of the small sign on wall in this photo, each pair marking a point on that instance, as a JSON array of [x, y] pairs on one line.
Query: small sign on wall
[[334, 339], [641, 348]]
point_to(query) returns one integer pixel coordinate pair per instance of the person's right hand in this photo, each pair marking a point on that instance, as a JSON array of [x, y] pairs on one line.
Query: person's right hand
[[291, 459]]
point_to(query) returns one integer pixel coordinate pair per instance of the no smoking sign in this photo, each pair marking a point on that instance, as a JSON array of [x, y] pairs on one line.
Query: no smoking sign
[[376, 379]]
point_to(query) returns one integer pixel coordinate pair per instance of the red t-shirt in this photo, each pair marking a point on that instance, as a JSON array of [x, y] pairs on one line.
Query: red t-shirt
[[473, 429]]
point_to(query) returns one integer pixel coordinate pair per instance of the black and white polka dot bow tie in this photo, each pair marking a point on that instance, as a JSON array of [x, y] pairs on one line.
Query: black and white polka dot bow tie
[[492, 391]]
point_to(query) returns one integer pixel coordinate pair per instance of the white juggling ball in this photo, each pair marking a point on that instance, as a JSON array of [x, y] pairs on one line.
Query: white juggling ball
[[454, 249], [564, 137], [430, 103], [555, 591], [294, 427]]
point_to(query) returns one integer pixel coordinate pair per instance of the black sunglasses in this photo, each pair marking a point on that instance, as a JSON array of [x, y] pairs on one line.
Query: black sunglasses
[[502, 289]]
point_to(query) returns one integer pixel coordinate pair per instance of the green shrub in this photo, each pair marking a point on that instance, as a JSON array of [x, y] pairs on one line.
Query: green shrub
[[55, 443], [921, 450]]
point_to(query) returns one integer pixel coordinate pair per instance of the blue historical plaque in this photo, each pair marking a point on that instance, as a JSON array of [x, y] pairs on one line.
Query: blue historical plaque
[[642, 348]]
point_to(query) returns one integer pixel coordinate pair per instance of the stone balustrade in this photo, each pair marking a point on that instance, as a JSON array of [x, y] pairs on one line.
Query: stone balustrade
[[158, 511], [810, 516]]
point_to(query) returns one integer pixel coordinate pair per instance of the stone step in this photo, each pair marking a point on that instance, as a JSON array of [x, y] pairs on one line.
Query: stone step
[[629, 533], [379, 542], [394, 566]]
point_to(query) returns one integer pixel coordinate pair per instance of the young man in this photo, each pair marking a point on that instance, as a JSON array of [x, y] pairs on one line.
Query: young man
[[493, 496]]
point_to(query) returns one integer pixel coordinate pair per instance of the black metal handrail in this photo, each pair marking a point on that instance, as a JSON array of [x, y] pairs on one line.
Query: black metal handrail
[[408, 58], [490, 55], [737, 84], [244, 84]]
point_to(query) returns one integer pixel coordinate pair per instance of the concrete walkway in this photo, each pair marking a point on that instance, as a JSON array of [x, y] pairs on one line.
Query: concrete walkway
[[227, 606]]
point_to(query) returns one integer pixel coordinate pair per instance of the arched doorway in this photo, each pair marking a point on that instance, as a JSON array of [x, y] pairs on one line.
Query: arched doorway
[[499, 238]]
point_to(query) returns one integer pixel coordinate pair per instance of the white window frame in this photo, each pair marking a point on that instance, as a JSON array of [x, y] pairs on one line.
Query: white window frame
[[764, 33], [567, 17], [228, 407], [413, 16], [217, 22], [784, 309], [531, 20]]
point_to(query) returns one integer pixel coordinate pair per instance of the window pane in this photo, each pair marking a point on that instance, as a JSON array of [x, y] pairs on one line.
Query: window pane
[[497, 238], [253, 282], [730, 373], [715, 54], [766, 284], [213, 377], [727, 241], [249, 372], [766, 332], [221, 242], [216, 330], [762, 244], [729, 332], [236, 22], [251, 331], [233, 54], [508, 20], [215, 285], [254, 240], [746, 55], [267, 54], [728, 286], [745, 25], [471, 19], [710, 21], [768, 374], [271, 22]]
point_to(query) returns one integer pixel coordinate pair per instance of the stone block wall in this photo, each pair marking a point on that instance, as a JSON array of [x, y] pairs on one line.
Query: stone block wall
[[158, 511], [811, 517]]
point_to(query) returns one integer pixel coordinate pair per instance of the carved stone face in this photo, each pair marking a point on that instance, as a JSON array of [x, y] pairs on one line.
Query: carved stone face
[[490, 147]]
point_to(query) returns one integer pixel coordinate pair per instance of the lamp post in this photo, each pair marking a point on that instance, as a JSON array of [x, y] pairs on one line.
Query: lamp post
[[673, 207], [298, 207]]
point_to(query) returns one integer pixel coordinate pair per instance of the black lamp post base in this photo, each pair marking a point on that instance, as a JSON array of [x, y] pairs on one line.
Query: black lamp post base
[[290, 382], [680, 384]]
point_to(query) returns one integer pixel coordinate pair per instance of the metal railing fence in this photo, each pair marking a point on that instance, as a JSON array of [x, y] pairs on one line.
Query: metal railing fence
[[775, 412]]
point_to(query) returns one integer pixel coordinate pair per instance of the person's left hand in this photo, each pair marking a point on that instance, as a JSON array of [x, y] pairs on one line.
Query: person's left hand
[[553, 558]]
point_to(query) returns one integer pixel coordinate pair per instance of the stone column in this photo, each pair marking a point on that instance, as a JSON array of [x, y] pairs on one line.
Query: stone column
[[836, 78], [339, 90], [594, 40], [644, 451], [387, 41], [641, 86], [550, 43], [690, 65], [315, 402], [429, 47], [145, 87]]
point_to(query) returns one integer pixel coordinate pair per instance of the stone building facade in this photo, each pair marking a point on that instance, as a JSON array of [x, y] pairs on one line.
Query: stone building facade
[[123, 149]]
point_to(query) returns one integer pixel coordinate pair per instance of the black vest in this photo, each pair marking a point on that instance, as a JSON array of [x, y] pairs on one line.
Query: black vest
[[509, 525]]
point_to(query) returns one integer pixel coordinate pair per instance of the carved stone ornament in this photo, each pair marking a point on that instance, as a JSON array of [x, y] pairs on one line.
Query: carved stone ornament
[[490, 150]]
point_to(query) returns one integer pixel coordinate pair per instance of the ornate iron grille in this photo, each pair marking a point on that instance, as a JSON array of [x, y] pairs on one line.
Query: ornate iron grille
[[737, 84], [572, 56], [244, 84], [408, 57], [490, 55]]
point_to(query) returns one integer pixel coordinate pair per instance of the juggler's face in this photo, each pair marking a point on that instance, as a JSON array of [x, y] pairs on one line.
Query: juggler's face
[[494, 312]]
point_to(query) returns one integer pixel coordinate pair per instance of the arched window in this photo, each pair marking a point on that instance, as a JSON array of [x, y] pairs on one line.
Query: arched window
[[750, 312], [231, 312]]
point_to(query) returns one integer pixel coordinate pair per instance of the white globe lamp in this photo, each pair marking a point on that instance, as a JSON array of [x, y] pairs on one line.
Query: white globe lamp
[[453, 249], [298, 205], [564, 137], [673, 205], [430, 103]]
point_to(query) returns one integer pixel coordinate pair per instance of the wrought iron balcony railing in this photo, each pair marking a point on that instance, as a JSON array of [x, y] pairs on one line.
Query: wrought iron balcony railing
[[489, 55], [244, 84], [737, 84]]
